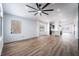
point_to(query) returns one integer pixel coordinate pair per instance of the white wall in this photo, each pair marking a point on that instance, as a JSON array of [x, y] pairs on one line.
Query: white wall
[[76, 27], [1, 37], [28, 25], [1, 42]]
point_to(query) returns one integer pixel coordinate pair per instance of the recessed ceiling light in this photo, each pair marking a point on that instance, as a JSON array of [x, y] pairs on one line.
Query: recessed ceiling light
[[58, 10]]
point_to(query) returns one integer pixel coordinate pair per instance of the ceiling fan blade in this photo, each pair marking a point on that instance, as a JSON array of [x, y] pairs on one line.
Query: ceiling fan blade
[[45, 5], [49, 10], [45, 13], [37, 5], [31, 7], [35, 14], [32, 11]]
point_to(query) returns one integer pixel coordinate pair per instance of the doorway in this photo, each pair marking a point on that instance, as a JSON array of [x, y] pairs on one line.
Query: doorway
[[52, 27]]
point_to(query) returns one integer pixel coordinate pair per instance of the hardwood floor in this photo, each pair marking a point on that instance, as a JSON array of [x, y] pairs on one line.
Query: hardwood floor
[[66, 45]]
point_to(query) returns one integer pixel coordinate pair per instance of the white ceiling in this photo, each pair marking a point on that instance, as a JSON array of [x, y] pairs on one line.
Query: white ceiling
[[62, 11]]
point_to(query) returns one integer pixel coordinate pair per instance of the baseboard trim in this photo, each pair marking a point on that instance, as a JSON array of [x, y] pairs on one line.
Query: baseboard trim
[[20, 40]]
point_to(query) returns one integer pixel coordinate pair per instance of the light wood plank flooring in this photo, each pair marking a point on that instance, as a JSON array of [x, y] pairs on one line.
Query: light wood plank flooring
[[65, 45]]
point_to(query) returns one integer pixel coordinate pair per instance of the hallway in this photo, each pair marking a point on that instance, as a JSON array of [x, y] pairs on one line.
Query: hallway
[[43, 46]]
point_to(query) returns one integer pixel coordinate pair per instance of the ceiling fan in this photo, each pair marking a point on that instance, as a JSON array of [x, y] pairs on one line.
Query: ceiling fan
[[40, 10]]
